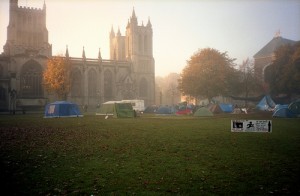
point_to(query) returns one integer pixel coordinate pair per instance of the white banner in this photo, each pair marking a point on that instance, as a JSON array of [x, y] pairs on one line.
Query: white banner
[[251, 126]]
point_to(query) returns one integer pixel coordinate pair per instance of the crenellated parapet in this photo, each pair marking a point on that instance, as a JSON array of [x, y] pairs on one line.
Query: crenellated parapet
[[27, 30], [30, 9]]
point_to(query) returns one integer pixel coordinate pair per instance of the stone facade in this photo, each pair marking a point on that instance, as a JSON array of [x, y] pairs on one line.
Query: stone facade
[[128, 74]]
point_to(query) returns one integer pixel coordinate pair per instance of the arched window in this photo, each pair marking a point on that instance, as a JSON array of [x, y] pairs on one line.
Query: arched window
[[143, 88], [92, 83], [76, 83], [31, 80], [108, 87]]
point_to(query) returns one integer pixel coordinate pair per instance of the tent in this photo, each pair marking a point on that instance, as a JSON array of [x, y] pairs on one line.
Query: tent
[[227, 108], [266, 104], [295, 107], [165, 110], [62, 109], [116, 109], [215, 108], [279, 106], [284, 112], [203, 111], [184, 109], [151, 109]]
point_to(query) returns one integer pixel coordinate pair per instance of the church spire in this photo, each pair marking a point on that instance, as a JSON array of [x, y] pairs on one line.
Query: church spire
[[83, 54], [44, 6], [119, 33], [99, 55], [67, 52], [112, 32], [133, 18], [149, 23], [133, 13]]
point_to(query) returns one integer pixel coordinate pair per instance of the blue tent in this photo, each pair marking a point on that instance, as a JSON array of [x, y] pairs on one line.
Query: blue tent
[[279, 106], [266, 104], [62, 109], [228, 108], [283, 112], [295, 107], [166, 110]]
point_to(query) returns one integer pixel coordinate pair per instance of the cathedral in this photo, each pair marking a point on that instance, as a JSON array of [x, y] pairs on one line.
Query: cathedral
[[128, 74]]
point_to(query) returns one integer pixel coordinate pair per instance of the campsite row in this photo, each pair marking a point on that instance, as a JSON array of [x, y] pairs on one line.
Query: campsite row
[[291, 110], [126, 109]]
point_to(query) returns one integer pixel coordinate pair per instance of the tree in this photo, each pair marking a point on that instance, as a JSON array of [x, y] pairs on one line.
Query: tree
[[56, 77], [284, 72], [208, 73], [247, 84]]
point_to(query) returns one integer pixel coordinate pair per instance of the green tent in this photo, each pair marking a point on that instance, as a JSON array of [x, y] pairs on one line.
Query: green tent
[[203, 111], [116, 109]]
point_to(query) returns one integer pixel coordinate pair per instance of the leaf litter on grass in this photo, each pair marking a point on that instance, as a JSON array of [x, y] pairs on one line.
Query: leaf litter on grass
[[90, 155]]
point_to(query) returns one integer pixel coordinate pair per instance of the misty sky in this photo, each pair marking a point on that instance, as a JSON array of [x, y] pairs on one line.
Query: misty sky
[[180, 28]]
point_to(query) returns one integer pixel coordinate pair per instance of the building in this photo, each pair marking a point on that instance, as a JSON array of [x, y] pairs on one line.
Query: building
[[167, 92], [128, 74], [265, 56]]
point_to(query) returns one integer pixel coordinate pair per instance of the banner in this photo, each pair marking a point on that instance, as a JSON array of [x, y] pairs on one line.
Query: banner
[[251, 126]]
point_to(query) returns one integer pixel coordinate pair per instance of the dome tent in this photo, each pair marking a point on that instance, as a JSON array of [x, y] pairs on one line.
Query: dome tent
[[283, 112], [266, 104], [295, 107], [62, 109], [166, 110], [203, 111]]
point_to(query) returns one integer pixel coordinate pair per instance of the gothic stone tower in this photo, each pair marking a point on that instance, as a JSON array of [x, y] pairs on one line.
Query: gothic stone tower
[[24, 57], [137, 47], [27, 31], [128, 74]]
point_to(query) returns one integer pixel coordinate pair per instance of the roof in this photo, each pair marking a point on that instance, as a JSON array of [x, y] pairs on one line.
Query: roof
[[270, 48]]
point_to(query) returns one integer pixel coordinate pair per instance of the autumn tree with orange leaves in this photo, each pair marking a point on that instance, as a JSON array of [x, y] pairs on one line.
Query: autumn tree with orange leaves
[[208, 73], [56, 77]]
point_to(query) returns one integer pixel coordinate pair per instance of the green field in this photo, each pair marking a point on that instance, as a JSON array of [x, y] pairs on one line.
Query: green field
[[148, 155]]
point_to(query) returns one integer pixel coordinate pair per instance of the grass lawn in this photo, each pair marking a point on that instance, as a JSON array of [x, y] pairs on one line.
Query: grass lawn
[[148, 155]]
